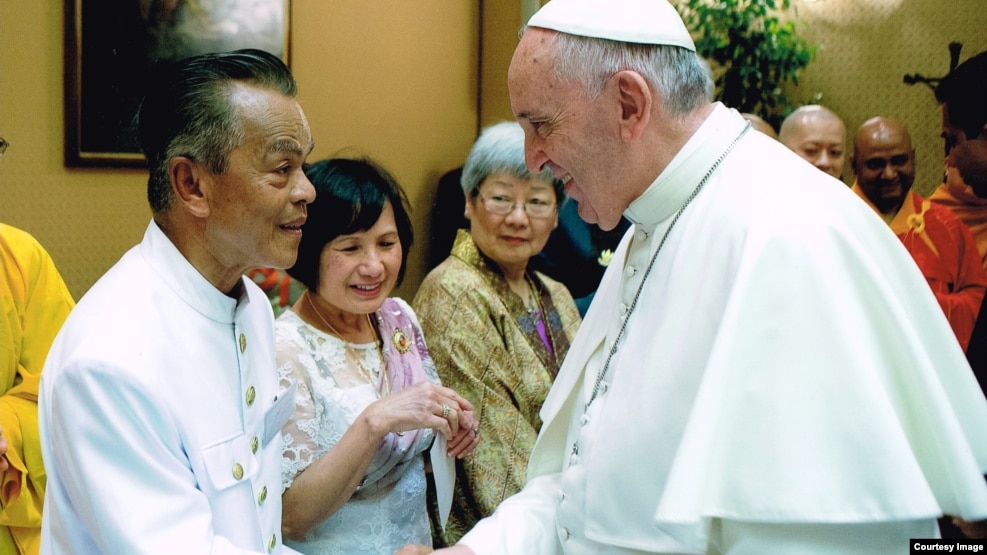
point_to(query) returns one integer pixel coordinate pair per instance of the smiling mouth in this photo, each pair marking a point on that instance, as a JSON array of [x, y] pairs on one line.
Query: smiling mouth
[[294, 226]]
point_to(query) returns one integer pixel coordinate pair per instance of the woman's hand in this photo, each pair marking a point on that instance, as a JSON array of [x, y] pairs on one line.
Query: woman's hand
[[464, 442], [423, 405]]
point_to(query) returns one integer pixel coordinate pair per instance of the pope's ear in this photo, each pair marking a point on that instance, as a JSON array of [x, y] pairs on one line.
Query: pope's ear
[[636, 103], [190, 183]]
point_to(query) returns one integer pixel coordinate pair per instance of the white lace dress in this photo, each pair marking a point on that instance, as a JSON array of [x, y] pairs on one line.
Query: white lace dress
[[388, 510]]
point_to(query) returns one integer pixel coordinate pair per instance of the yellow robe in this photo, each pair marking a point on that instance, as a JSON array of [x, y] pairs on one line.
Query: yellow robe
[[35, 302]]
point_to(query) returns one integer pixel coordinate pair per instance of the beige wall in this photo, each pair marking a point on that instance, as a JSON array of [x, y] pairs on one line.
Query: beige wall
[[865, 47], [501, 21], [401, 81], [393, 79]]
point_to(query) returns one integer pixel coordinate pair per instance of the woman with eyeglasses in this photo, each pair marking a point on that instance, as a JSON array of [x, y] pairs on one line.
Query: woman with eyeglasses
[[496, 330]]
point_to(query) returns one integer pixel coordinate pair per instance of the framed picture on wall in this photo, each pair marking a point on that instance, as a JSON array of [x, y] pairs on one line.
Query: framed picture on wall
[[111, 47]]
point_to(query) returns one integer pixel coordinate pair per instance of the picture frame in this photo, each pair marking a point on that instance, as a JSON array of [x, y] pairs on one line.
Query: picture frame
[[111, 47]]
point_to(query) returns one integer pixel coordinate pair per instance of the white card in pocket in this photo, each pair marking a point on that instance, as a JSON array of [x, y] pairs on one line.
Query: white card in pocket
[[279, 413]]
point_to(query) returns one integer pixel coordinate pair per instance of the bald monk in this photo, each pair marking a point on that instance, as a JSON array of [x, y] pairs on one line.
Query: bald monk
[[883, 163], [817, 134]]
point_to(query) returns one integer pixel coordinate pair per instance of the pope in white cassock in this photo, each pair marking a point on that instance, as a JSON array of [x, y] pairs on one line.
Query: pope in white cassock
[[753, 376]]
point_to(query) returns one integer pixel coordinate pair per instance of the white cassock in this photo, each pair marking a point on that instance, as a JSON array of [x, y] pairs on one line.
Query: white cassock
[[787, 382]]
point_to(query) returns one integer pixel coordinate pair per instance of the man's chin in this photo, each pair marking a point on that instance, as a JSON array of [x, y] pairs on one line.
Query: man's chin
[[894, 196], [606, 224], [586, 213]]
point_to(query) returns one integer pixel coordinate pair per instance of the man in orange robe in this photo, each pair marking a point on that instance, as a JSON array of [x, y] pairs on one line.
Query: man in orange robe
[[884, 167], [962, 95], [964, 124]]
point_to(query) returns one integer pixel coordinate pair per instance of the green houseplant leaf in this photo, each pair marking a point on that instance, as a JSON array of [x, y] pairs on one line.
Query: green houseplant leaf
[[753, 50]]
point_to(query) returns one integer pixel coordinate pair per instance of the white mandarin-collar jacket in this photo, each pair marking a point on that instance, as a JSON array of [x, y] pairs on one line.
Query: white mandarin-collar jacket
[[160, 415]]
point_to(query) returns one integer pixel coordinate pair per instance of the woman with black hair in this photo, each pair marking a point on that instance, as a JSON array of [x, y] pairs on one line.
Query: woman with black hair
[[368, 401]]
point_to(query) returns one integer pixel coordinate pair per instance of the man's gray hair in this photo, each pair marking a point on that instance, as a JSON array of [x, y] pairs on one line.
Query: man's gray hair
[[189, 110], [679, 75]]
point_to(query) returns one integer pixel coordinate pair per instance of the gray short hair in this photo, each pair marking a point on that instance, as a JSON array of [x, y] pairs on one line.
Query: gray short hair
[[678, 74], [500, 148]]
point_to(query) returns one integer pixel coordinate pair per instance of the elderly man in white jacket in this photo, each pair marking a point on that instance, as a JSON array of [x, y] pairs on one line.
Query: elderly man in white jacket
[[763, 369], [160, 409]]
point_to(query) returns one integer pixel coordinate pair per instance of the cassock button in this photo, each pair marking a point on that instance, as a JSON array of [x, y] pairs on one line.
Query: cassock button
[[630, 271], [237, 471], [603, 387], [251, 395], [254, 444], [272, 543], [243, 343], [566, 534], [623, 309], [262, 496], [583, 419], [573, 460], [561, 496]]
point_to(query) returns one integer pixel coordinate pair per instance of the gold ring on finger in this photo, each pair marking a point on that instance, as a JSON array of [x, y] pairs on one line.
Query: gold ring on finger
[[445, 410]]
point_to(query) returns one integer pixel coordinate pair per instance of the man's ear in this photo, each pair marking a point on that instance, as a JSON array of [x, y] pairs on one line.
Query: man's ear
[[190, 182], [636, 103]]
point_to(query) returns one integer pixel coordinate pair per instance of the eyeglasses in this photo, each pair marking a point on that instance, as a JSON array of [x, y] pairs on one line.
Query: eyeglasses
[[534, 208], [3, 146]]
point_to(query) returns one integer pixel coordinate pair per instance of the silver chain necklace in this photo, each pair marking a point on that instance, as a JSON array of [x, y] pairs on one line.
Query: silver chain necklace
[[651, 265]]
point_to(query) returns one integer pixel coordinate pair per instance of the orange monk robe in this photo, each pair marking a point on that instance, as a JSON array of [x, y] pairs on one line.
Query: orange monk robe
[[946, 253], [960, 199]]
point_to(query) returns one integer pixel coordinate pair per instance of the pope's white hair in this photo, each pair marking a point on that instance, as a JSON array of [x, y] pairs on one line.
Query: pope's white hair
[[679, 75]]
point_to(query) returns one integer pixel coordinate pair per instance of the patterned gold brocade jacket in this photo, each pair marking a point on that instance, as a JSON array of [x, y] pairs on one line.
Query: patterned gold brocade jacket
[[486, 347]]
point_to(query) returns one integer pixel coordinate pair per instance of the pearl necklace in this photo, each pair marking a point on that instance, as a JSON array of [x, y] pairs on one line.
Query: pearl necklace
[[382, 383]]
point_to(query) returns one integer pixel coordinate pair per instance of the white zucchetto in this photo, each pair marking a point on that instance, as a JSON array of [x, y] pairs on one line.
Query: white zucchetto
[[637, 21]]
